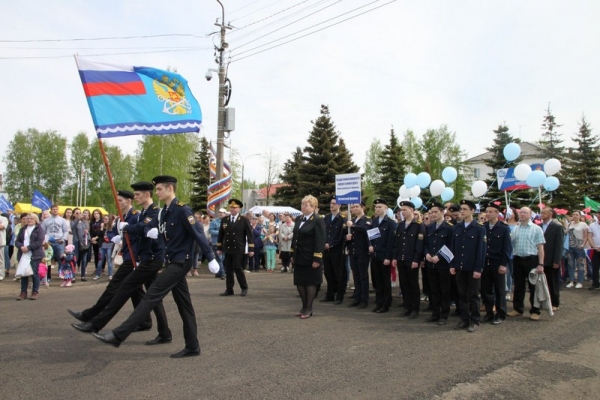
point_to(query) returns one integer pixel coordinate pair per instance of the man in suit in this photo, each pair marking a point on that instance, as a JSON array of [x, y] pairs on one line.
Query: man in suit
[[357, 244], [381, 250], [333, 257], [234, 233], [554, 235]]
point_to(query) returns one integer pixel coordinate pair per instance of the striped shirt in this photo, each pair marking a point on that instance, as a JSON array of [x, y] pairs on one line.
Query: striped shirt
[[526, 238]]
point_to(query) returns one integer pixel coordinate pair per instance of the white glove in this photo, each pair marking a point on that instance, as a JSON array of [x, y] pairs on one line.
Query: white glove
[[122, 225], [152, 233], [116, 239], [213, 266]]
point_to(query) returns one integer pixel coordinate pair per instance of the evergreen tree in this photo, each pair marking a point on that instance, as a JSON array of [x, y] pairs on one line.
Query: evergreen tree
[[585, 169], [200, 177], [496, 162], [371, 174], [392, 167], [289, 194]]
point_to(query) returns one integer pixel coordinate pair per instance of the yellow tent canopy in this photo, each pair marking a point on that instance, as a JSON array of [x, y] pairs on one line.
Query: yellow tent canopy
[[21, 208]]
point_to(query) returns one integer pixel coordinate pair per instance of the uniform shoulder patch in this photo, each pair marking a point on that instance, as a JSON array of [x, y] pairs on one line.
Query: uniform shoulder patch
[[180, 204], [134, 212], [418, 222], [420, 236], [155, 208], [191, 219], [450, 223]]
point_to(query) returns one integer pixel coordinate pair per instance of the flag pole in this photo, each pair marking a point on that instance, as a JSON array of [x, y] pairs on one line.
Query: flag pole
[[114, 193]]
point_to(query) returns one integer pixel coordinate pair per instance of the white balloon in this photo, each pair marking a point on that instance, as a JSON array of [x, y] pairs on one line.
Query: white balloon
[[552, 166], [478, 188], [404, 192], [415, 191], [522, 171], [437, 187]]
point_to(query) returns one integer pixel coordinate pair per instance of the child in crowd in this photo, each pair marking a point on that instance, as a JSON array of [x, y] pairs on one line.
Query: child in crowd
[[271, 247], [68, 263], [47, 261]]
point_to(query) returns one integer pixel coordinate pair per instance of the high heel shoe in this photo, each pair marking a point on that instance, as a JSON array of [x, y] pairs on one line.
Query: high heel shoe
[[306, 316], [299, 314]]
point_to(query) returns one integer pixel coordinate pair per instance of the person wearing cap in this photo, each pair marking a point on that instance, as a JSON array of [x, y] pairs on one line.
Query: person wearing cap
[[333, 257], [150, 257], [468, 247], [408, 254], [124, 201], [234, 233], [179, 229], [381, 250], [357, 246], [438, 234], [213, 229], [493, 276]]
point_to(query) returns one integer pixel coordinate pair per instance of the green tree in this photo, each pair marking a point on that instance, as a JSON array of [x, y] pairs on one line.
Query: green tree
[[200, 177], [410, 144], [371, 175], [392, 167], [35, 161], [289, 195], [585, 169], [496, 162]]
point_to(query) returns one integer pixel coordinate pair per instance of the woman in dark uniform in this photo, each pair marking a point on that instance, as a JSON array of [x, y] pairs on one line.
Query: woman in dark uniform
[[308, 244]]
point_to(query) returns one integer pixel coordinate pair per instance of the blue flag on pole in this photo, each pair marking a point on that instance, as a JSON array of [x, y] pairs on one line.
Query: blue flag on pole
[[40, 201], [127, 100], [5, 204]]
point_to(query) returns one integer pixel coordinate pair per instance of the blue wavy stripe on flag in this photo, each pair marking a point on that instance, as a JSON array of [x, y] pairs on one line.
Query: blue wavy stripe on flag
[[348, 198]]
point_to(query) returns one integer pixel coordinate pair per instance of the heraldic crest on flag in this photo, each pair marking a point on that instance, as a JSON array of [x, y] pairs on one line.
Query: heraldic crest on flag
[[128, 100]]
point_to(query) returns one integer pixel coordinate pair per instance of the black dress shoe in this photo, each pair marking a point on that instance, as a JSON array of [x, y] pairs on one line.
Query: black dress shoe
[[226, 293], [461, 325], [413, 315], [83, 279], [85, 327], [325, 300], [432, 319], [244, 292], [108, 338], [362, 305], [406, 313], [159, 340], [143, 328], [354, 303], [187, 353], [77, 315], [441, 321], [337, 302], [497, 321], [376, 309], [382, 310]]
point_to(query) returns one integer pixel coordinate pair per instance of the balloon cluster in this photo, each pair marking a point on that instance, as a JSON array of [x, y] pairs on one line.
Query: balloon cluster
[[413, 184]]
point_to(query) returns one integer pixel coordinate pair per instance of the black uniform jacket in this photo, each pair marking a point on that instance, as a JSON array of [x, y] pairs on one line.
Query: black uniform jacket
[[408, 246], [435, 239], [234, 236], [468, 247], [308, 240], [384, 245], [499, 245]]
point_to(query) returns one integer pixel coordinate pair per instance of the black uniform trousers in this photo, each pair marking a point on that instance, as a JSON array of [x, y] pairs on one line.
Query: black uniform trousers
[[359, 263], [233, 263], [454, 293], [522, 266], [409, 284], [172, 279], [335, 273], [493, 289], [439, 286], [468, 290], [381, 276], [553, 280], [595, 269], [145, 274], [111, 290]]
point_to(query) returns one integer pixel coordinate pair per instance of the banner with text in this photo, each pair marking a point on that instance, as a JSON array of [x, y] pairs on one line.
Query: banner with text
[[508, 181], [347, 188]]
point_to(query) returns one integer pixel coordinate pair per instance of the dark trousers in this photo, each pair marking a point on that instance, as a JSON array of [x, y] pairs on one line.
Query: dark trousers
[[439, 286], [409, 284], [381, 276], [233, 263], [145, 274], [468, 291], [172, 279], [595, 268], [335, 273], [111, 290], [454, 292], [493, 289], [425, 282], [553, 279], [359, 263], [522, 267]]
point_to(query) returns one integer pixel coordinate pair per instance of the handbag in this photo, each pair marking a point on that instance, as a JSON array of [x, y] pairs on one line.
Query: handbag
[[42, 270], [24, 267]]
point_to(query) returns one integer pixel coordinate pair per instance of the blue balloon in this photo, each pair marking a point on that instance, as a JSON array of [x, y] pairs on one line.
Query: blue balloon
[[536, 179], [512, 151], [390, 213], [417, 202], [423, 180], [447, 194], [410, 180], [449, 174], [551, 183]]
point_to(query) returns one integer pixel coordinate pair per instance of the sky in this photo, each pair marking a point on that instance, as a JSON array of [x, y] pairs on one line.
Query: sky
[[408, 64]]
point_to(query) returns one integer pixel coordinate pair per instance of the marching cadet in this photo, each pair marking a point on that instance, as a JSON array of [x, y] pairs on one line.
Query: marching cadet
[[180, 230], [408, 254], [468, 247], [381, 250], [333, 257], [357, 244], [234, 233], [439, 234], [493, 277]]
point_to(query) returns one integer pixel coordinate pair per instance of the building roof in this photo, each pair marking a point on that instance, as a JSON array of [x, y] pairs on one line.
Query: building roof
[[262, 193], [528, 150]]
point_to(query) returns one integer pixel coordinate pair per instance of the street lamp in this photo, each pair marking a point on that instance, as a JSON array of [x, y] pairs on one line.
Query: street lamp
[[243, 164]]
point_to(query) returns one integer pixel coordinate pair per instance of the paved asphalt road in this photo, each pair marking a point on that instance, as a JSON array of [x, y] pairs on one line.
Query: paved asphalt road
[[254, 348]]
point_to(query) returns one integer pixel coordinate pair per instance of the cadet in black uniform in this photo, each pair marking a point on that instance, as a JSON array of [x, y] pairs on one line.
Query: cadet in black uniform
[[493, 277], [150, 259], [381, 250], [468, 247], [234, 233], [333, 257], [124, 198], [178, 226], [357, 244], [408, 254], [438, 234]]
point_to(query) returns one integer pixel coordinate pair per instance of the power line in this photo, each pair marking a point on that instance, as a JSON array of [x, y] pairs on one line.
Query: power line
[[105, 38], [102, 54], [310, 33], [104, 48], [272, 15], [255, 11], [242, 7]]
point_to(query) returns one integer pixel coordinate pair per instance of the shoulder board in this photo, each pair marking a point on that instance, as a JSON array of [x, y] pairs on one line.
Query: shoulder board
[[480, 223], [155, 208], [180, 204], [450, 223], [418, 222], [135, 212]]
